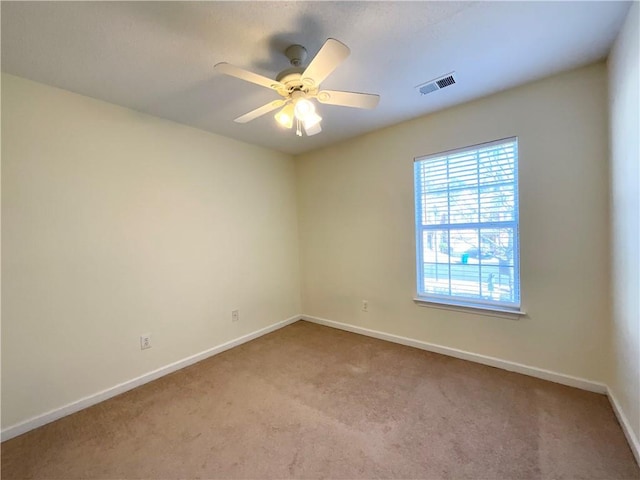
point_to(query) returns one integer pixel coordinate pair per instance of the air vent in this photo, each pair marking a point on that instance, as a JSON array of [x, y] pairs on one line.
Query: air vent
[[437, 84]]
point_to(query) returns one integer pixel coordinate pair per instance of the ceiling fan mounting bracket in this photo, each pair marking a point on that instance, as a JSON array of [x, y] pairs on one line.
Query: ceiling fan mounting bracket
[[296, 54]]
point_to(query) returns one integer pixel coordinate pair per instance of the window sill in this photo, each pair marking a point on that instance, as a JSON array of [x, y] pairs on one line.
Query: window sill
[[488, 310]]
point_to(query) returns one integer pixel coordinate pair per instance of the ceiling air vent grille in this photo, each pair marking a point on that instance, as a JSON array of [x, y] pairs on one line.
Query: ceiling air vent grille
[[437, 83]]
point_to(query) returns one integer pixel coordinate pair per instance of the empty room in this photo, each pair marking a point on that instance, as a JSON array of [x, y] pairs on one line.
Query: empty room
[[351, 240]]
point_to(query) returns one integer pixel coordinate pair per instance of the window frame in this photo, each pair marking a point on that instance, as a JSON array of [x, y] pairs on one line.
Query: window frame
[[476, 305]]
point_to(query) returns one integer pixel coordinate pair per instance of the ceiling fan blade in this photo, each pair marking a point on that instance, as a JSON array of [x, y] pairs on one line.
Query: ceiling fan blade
[[247, 117], [248, 76], [326, 60], [348, 99]]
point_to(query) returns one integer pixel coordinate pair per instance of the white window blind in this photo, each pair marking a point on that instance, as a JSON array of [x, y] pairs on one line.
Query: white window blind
[[467, 226]]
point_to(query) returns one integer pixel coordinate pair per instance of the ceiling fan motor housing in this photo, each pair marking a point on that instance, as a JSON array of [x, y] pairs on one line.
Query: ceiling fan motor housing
[[292, 79]]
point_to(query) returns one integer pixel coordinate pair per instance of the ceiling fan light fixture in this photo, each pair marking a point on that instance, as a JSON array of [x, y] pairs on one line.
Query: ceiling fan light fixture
[[299, 85], [311, 120], [304, 108], [312, 129], [285, 116]]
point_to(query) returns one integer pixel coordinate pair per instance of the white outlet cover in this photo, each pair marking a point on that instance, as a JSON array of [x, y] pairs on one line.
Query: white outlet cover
[[145, 341]]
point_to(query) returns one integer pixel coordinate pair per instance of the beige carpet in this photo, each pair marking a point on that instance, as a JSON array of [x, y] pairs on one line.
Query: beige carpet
[[313, 402]]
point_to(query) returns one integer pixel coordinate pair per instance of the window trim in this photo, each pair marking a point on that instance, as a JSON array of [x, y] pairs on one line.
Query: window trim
[[478, 306], [478, 309]]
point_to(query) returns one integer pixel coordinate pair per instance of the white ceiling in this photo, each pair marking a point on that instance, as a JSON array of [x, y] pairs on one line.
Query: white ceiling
[[158, 57]]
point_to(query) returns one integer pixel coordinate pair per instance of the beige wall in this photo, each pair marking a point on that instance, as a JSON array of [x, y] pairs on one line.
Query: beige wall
[[624, 104], [116, 224], [355, 203]]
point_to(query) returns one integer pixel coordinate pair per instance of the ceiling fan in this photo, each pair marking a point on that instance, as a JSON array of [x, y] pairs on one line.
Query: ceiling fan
[[299, 85]]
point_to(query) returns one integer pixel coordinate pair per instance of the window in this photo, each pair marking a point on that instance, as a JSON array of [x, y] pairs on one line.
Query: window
[[467, 226]]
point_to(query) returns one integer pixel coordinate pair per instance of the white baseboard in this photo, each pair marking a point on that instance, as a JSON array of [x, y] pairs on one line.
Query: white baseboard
[[626, 426], [48, 417], [561, 378]]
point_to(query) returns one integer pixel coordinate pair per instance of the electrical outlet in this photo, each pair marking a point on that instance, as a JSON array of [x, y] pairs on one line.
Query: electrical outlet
[[365, 306], [235, 316], [145, 341]]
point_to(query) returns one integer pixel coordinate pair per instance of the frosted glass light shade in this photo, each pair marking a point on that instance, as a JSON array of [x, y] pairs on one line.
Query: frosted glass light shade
[[285, 116], [312, 129], [304, 108], [311, 120]]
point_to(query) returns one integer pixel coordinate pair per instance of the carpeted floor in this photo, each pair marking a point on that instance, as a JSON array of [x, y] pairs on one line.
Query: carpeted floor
[[312, 402]]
